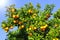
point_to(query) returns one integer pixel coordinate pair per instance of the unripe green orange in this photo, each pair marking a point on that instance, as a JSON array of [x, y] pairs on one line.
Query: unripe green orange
[[3, 25]]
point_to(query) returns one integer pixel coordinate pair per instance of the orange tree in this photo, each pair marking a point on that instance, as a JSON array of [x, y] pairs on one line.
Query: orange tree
[[32, 23]]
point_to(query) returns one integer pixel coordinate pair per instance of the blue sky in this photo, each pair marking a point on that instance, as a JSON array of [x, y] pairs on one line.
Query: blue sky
[[20, 3]]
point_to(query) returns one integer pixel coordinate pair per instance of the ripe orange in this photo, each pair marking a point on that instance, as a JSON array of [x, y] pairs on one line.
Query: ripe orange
[[30, 34], [20, 23], [22, 26], [15, 21], [43, 28], [11, 27], [35, 28], [6, 29], [15, 16]]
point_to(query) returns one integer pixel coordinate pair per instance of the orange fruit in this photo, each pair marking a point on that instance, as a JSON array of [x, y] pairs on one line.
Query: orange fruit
[[3, 25], [43, 28], [22, 26], [6, 29], [20, 23], [30, 11], [55, 39], [30, 34], [29, 28], [46, 25], [15, 16], [15, 21], [13, 10], [35, 28], [11, 27], [48, 15]]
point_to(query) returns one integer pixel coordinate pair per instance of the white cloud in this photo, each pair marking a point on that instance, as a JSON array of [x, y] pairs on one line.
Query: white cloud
[[3, 3]]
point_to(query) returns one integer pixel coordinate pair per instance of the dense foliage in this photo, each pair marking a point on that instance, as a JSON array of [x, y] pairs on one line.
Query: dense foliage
[[32, 23]]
